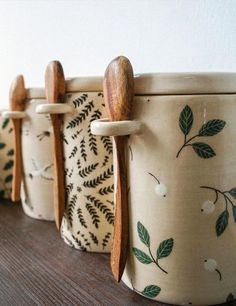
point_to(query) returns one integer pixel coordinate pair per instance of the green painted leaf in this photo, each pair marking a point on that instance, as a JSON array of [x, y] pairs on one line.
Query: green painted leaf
[[203, 150], [10, 152], [8, 178], [222, 222], [151, 291], [141, 256], [5, 123], [186, 120], [230, 298], [2, 145], [165, 248], [232, 192], [8, 165], [212, 127], [143, 234], [234, 212]]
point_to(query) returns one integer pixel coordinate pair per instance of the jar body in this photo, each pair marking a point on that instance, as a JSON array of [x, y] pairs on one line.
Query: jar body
[[88, 220], [6, 157], [182, 206], [37, 185]]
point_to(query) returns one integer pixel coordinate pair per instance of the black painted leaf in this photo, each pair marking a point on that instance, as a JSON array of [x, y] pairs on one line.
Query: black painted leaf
[[8, 178], [186, 120], [2, 193], [151, 291], [141, 256], [230, 298], [10, 152], [203, 150], [143, 234], [232, 192], [8, 165], [165, 248], [222, 222], [2, 145], [234, 212], [5, 123], [212, 127]]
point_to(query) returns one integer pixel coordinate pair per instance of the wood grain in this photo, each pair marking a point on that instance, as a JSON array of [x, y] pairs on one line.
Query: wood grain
[[118, 88], [55, 88], [38, 268], [17, 99]]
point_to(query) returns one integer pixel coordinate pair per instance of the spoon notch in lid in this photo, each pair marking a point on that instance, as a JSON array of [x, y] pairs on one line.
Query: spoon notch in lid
[[17, 99], [55, 88], [118, 89]]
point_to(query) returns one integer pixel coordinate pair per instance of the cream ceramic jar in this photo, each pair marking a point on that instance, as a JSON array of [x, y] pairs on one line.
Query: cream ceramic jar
[[6, 157], [182, 187], [88, 219], [36, 142]]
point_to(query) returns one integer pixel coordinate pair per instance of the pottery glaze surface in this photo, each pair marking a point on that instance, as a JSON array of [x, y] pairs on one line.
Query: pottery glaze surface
[[88, 219], [37, 185], [182, 190], [6, 157]]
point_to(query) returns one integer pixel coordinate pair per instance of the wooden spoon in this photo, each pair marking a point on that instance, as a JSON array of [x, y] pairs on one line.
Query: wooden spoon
[[55, 88], [118, 89], [17, 99]]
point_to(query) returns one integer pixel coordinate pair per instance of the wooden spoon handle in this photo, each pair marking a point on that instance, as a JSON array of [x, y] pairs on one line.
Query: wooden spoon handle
[[18, 165], [59, 180], [121, 226], [118, 88], [17, 98], [55, 92]]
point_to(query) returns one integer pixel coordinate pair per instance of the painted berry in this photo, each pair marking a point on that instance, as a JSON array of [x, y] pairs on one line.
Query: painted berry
[[208, 207], [161, 189], [210, 264]]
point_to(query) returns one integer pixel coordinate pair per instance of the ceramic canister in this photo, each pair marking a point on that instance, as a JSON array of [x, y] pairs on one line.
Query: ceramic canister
[[88, 219], [181, 159], [37, 157], [6, 157]]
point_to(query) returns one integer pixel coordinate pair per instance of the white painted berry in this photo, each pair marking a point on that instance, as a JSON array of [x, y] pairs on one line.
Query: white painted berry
[[161, 189], [208, 207], [210, 264]]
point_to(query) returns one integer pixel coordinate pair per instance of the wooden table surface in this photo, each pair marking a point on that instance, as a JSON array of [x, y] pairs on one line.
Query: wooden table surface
[[38, 268]]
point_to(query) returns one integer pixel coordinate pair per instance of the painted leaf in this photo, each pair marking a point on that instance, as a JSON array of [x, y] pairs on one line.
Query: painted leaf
[[10, 152], [186, 120], [5, 123], [222, 222], [8, 178], [141, 256], [151, 291], [143, 234], [234, 212], [2, 145], [230, 298], [2, 192], [8, 165], [165, 248], [232, 192], [203, 150], [212, 127]]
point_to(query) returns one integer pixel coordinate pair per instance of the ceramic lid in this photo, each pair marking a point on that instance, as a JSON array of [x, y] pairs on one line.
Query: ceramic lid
[[158, 84]]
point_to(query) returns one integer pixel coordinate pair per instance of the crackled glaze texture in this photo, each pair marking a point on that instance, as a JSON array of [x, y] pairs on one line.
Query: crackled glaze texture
[[37, 186], [182, 199], [6, 157], [88, 220]]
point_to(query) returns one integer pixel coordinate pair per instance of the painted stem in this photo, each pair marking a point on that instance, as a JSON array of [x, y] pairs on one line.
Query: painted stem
[[220, 275], [186, 143], [154, 177], [156, 262], [223, 193]]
